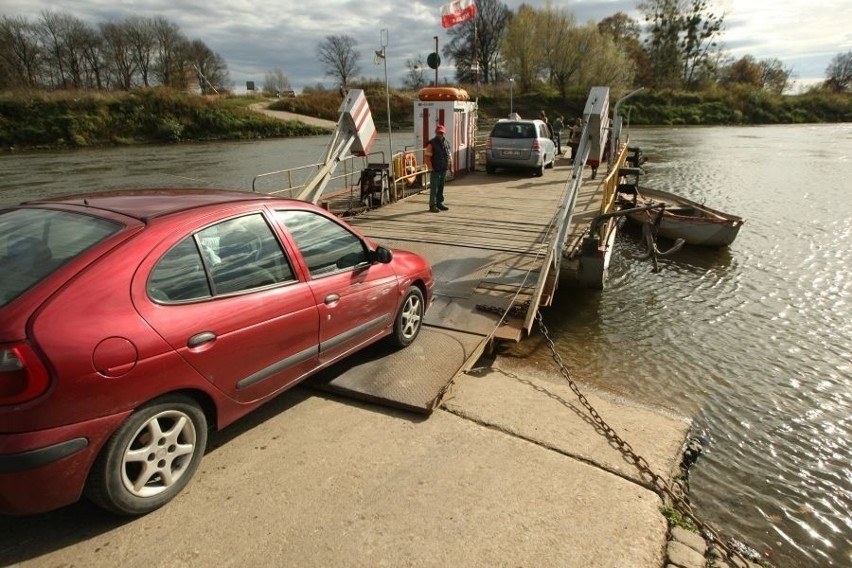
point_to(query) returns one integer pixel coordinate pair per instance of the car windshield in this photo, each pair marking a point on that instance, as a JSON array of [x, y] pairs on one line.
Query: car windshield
[[514, 130], [35, 242]]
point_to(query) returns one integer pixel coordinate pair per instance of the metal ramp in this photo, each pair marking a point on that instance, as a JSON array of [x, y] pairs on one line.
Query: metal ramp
[[413, 378], [489, 250], [496, 257]]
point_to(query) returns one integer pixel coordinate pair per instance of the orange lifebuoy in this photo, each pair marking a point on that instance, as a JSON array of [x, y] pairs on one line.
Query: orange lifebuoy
[[442, 94], [410, 167]]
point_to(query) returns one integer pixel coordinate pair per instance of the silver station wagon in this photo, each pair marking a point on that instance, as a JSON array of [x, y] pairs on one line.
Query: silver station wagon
[[519, 144]]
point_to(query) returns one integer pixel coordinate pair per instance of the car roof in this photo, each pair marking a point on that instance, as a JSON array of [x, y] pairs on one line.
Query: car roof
[[520, 120], [149, 203]]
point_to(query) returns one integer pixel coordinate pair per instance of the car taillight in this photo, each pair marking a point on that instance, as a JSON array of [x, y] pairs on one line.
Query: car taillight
[[488, 143], [536, 145], [23, 377]]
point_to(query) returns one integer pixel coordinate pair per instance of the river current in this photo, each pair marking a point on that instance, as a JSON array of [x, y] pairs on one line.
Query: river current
[[754, 342]]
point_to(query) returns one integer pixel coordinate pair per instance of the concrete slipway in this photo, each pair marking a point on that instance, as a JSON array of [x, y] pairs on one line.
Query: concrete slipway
[[508, 470]]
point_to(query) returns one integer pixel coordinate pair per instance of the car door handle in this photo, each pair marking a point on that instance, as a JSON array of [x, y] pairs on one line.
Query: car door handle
[[200, 339], [331, 298]]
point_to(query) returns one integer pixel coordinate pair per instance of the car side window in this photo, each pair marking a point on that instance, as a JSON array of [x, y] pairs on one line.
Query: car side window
[[244, 254], [179, 275], [233, 256], [326, 246]]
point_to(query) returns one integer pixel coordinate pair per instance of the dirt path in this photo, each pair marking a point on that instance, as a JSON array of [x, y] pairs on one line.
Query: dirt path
[[283, 115]]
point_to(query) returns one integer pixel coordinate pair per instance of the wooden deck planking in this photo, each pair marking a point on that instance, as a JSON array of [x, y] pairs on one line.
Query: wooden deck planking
[[488, 254]]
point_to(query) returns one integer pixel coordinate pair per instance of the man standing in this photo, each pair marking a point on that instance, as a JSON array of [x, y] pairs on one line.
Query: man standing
[[576, 135], [558, 125], [543, 116], [439, 159]]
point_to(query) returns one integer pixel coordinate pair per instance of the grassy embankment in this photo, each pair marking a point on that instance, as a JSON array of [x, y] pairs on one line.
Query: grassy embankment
[[663, 108], [68, 120], [51, 120]]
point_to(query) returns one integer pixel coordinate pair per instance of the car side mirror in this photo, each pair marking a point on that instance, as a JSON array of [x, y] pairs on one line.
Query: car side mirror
[[381, 254]]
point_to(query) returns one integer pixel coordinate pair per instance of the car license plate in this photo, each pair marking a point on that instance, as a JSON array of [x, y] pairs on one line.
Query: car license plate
[[511, 153]]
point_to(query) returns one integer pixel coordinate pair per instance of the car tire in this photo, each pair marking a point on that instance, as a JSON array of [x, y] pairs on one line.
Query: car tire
[[409, 319], [150, 458], [539, 171], [490, 169]]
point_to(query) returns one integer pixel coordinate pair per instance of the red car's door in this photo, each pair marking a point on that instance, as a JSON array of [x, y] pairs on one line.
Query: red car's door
[[356, 300], [229, 301]]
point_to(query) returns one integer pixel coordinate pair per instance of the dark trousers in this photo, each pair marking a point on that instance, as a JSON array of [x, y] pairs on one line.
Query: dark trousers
[[436, 188]]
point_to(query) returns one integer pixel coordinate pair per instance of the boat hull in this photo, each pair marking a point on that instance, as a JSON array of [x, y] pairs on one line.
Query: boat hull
[[684, 219]]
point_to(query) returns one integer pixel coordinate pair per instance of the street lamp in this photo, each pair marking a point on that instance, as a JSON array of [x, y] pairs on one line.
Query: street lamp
[[511, 83]]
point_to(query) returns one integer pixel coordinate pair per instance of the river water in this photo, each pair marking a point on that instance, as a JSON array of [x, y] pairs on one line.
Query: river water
[[754, 342]]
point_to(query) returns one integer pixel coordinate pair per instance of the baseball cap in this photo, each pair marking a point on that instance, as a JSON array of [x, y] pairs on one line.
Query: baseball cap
[[440, 128]]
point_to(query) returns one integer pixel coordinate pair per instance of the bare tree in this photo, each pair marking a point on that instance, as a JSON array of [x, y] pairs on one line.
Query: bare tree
[[62, 51], [774, 76], [54, 29], [142, 41], [118, 54], [172, 67], [274, 82], [476, 43], [338, 55], [95, 70], [838, 74], [211, 72], [414, 78], [20, 54]]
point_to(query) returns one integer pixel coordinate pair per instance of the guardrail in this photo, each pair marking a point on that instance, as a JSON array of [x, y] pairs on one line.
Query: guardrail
[[345, 183], [291, 180], [610, 187], [409, 174]]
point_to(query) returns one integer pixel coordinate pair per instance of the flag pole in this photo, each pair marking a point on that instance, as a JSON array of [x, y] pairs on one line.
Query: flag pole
[[476, 54], [436, 66]]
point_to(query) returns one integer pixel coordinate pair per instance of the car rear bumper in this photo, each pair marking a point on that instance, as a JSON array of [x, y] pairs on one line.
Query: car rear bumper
[[47, 469], [532, 160]]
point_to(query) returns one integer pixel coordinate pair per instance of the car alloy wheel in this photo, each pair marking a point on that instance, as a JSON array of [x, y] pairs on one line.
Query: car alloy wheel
[[410, 318], [150, 458]]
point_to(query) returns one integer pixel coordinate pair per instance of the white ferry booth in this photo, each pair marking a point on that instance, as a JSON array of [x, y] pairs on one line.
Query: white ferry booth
[[453, 108]]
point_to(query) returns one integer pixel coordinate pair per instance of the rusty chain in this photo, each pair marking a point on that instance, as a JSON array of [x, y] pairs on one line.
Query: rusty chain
[[658, 484], [515, 310]]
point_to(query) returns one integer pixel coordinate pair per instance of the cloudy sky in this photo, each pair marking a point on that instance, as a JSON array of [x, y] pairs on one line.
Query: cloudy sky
[[256, 36]]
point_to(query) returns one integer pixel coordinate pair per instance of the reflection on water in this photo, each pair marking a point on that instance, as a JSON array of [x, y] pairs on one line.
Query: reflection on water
[[753, 341]]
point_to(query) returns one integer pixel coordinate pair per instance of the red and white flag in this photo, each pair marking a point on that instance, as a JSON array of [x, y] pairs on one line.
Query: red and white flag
[[457, 12]]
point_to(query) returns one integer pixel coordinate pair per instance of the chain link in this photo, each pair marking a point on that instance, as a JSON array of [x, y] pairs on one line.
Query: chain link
[[658, 484], [518, 311]]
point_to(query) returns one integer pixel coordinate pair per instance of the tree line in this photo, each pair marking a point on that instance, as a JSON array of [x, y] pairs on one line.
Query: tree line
[[676, 46], [60, 51]]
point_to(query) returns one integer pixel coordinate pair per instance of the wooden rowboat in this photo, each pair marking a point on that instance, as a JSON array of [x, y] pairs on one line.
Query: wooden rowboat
[[685, 219]]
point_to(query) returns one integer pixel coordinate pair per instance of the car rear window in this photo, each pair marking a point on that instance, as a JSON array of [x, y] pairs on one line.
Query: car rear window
[[514, 130], [35, 242]]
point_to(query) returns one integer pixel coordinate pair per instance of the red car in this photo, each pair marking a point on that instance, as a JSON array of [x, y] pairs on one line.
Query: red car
[[131, 322]]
